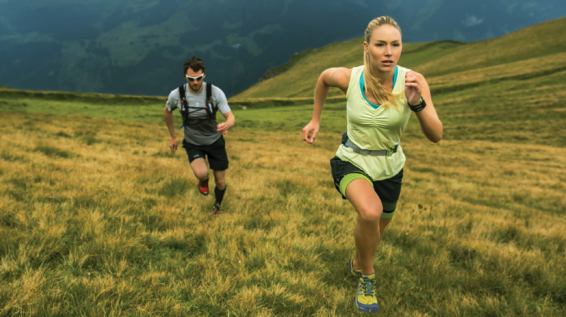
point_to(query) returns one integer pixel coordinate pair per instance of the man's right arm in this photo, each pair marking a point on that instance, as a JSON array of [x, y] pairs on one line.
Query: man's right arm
[[169, 121]]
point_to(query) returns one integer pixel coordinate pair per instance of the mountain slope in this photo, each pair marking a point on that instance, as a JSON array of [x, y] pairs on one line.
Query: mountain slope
[[529, 52]]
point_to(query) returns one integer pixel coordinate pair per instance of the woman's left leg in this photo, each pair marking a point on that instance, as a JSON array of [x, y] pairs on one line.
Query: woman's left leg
[[383, 222], [367, 234], [361, 195]]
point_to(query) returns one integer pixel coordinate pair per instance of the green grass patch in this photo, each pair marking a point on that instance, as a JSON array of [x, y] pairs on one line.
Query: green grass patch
[[53, 152], [165, 154], [10, 157], [174, 187]]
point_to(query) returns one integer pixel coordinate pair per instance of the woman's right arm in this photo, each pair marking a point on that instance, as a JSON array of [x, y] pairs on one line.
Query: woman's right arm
[[333, 77]]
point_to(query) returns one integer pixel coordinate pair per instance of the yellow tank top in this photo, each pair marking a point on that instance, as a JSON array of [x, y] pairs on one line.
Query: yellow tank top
[[375, 129]]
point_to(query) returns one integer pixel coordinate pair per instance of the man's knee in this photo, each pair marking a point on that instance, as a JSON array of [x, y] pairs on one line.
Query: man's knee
[[201, 174], [220, 182]]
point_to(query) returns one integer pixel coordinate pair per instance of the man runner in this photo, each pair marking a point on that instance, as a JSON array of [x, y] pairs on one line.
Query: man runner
[[198, 102]]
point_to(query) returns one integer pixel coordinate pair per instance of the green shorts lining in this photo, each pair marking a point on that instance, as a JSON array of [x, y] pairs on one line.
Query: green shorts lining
[[348, 178]]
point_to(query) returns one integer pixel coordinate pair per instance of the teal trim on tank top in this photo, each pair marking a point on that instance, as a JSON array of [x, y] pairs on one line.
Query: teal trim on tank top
[[362, 87]]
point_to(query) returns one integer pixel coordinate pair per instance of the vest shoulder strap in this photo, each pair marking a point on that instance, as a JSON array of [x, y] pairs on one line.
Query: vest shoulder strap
[[209, 97], [184, 104], [208, 92], [182, 92]]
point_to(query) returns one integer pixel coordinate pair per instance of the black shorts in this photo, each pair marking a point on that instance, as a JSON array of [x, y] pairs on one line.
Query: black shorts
[[215, 152], [388, 190]]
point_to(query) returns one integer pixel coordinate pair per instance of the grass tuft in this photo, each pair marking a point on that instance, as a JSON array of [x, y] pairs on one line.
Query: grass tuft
[[165, 154], [462, 255], [88, 136], [174, 186], [9, 157], [62, 134], [53, 152]]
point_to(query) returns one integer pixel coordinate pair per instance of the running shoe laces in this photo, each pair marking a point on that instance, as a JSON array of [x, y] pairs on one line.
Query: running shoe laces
[[366, 299]]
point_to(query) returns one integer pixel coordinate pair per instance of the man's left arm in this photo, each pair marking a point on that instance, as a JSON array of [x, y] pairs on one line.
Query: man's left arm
[[224, 126], [224, 108]]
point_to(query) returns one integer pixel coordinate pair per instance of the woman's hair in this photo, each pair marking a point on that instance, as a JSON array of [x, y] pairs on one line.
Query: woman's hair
[[194, 63], [371, 81]]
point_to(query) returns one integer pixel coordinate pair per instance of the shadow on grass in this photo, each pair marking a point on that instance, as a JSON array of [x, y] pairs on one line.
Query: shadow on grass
[[175, 186]]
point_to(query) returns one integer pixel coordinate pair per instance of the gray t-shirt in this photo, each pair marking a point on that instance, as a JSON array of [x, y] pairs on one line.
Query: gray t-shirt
[[204, 131]]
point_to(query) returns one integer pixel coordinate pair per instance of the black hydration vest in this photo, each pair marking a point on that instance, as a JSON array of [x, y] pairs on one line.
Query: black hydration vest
[[186, 109]]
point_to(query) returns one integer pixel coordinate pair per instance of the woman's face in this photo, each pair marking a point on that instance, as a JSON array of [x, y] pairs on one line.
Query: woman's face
[[384, 48]]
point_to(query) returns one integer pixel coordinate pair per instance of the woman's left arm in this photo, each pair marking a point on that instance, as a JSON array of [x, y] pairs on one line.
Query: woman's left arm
[[415, 88]]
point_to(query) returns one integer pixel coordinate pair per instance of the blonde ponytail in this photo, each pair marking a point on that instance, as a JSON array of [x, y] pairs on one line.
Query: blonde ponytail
[[371, 81]]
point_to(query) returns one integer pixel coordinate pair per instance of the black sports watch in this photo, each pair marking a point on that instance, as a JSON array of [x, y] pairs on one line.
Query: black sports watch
[[419, 107]]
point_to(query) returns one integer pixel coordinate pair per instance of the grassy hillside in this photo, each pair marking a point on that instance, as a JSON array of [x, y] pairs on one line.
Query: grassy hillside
[[98, 217], [526, 53]]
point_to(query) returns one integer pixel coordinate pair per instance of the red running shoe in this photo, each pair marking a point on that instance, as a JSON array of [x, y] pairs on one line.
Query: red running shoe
[[203, 187]]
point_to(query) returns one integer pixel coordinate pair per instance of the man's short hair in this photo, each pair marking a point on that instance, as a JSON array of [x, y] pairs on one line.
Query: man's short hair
[[194, 63]]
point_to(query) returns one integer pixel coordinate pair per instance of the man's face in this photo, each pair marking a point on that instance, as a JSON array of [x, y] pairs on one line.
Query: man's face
[[195, 79]]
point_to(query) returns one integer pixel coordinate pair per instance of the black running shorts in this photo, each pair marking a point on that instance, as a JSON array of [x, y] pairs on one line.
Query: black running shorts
[[388, 190], [215, 152]]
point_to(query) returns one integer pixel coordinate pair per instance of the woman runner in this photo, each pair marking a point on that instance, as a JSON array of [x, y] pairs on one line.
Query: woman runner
[[368, 166]]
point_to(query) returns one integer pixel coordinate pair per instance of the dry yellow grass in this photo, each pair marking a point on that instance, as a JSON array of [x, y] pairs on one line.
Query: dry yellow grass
[[98, 218]]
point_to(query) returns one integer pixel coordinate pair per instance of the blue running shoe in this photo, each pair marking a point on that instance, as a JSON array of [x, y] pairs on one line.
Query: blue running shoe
[[366, 300], [355, 273]]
